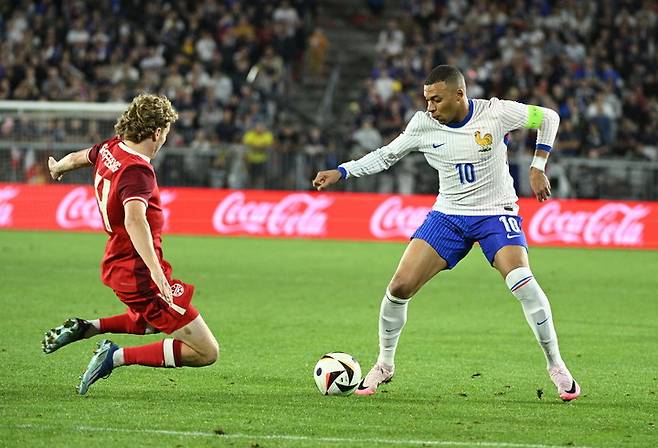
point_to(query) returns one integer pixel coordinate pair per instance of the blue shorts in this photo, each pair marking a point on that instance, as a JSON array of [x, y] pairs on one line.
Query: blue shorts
[[452, 236]]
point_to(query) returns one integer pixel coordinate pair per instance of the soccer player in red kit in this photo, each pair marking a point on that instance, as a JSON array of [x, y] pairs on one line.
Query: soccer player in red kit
[[133, 266]]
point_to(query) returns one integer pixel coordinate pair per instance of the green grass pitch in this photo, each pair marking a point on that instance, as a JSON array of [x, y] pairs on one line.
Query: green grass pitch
[[468, 369]]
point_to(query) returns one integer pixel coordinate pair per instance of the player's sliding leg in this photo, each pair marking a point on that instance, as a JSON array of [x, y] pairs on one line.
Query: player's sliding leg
[[512, 262], [75, 329], [123, 324], [419, 263], [71, 330], [192, 345]]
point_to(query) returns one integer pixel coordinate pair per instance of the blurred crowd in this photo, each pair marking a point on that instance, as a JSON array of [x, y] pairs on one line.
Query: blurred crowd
[[593, 61], [229, 67], [223, 64]]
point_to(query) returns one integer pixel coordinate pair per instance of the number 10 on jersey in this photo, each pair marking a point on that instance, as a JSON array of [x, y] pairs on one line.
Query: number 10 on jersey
[[466, 172]]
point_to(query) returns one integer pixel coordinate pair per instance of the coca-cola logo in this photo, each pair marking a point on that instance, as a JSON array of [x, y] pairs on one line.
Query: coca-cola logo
[[7, 208], [79, 209], [612, 223], [392, 219], [298, 214]]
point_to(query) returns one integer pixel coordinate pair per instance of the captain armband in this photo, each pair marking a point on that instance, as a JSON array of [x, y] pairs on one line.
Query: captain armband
[[535, 117]]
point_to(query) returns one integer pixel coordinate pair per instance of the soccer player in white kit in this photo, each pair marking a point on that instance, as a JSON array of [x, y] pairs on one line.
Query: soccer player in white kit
[[465, 140]]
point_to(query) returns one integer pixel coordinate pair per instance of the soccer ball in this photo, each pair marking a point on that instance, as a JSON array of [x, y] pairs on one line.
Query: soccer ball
[[337, 374]]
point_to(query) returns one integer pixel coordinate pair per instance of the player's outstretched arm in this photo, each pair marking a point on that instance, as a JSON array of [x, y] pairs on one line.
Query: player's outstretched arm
[[70, 162], [139, 232], [326, 178]]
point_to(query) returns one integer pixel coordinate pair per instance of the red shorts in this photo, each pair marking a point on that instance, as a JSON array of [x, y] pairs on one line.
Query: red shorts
[[150, 308]]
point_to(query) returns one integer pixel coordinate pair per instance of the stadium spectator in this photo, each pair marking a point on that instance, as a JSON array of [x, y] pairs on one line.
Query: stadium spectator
[[258, 142], [315, 150], [391, 40], [318, 45], [287, 145]]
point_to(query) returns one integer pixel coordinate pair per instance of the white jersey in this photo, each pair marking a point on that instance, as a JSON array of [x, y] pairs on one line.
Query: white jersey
[[470, 156]]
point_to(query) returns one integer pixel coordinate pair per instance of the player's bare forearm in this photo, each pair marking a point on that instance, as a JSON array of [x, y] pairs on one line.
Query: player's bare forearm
[[539, 183], [69, 162], [324, 179], [139, 232]]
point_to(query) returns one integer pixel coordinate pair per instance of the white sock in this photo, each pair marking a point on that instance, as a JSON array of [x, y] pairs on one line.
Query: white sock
[[392, 317], [117, 358], [537, 312]]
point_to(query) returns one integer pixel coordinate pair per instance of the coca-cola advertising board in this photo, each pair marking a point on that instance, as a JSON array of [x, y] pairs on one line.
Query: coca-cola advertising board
[[354, 216]]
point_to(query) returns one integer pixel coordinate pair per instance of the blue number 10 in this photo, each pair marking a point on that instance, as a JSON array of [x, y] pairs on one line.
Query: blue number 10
[[466, 172]]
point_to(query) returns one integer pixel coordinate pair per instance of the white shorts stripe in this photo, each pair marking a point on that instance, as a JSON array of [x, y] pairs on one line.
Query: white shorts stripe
[[168, 349]]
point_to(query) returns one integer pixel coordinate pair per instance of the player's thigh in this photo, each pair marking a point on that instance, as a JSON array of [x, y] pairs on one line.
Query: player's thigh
[[509, 258], [502, 241], [197, 336], [419, 263]]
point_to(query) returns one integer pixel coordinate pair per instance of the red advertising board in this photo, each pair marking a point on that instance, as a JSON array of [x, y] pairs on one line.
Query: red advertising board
[[579, 223]]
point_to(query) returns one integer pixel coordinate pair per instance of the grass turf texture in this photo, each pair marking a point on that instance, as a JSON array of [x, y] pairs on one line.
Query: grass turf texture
[[468, 368]]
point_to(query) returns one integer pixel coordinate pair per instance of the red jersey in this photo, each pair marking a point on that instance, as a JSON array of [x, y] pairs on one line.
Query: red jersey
[[122, 175]]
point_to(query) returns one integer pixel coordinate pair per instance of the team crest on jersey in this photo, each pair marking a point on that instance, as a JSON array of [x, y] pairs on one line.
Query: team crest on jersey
[[177, 290], [484, 142]]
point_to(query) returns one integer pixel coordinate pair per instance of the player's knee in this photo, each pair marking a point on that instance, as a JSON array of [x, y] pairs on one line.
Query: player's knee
[[402, 287], [211, 353]]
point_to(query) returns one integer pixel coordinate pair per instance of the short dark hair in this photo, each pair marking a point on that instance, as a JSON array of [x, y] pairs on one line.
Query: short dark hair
[[446, 73]]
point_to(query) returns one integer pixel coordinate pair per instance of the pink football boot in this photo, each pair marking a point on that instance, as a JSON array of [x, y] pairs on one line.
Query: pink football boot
[[567, 387], [379, 374]]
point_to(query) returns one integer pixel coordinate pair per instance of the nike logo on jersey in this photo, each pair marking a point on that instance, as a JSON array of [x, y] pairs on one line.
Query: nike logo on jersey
[[539, 323], [509, 237], [437, 146]]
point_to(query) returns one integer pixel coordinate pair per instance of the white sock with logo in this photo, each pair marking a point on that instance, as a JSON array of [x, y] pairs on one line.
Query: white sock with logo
[[392, 317], [537, 312]]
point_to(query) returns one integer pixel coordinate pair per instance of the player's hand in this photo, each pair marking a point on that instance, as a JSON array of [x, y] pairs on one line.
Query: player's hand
[[540, 184], [52, 167], [326, 178], [163, 285]]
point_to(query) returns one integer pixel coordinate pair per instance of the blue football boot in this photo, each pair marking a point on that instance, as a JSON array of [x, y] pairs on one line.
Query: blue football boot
[[100, 366]]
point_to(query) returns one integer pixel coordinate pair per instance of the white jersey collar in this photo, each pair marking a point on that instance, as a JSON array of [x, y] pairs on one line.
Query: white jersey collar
[[126, 148]]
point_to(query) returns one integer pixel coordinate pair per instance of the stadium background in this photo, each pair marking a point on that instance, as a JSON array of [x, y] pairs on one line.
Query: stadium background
[[271, 92], [299, 87], [268, 93]]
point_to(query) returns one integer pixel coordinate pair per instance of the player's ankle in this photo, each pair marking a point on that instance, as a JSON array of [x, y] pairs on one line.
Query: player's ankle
[[386, 364], [94, 328]]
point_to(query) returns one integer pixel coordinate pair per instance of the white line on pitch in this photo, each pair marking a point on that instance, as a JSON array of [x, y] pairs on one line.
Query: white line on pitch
[[293, 438]]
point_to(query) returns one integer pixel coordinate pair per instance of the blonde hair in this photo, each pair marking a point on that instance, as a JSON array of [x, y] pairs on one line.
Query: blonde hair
[[145, 114]]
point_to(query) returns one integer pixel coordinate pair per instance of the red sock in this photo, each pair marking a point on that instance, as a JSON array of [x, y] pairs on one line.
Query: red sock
[[165, 353], [178, 355], [121, 323]]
